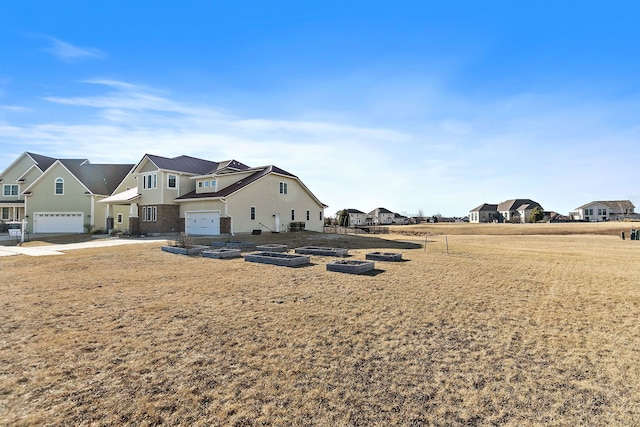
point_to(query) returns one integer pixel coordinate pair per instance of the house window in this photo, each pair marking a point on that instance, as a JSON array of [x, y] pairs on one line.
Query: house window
[[252, 213], [293, 214], [283, 188], [149, 213], [320, 216], [308, 215], [149, 181], [604, 211], [199, 184], [59, 186], [119, 218], [206, 183], [5, 213], [172, 181], [213, 184], [10, 190]]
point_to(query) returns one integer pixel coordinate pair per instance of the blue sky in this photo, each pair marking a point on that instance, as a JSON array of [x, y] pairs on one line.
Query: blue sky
[[410, 105]]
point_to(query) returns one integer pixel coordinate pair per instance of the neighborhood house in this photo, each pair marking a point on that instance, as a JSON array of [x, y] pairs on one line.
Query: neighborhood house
[[512, 210], [157, 195], [610, 210]]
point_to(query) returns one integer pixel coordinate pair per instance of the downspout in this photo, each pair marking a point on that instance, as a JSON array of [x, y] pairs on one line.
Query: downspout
[[226, 214]]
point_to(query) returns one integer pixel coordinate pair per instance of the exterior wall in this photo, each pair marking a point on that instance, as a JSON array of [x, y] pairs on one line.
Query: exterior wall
[[30, 177], [227, 179], [150, 196], [594, 212], [43, 199], [168, 220], [129, 181], [17, 169], [168, 195], [265, 195], [386, 218], [357, 219], [125, 225]]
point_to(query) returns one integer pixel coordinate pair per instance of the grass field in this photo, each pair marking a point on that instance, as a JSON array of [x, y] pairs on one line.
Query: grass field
[[510, 330]]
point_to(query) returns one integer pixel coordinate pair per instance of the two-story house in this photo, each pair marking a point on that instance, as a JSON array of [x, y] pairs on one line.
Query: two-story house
[[605, 210], [380, 216], [202, 197], [58, 195], [357, 217], [512, 210]]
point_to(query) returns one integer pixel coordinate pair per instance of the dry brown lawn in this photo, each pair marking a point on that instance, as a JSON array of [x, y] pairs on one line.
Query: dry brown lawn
[[514, 330]]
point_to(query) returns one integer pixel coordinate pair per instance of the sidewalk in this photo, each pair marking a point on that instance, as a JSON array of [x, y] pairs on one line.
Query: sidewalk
[[60, 249]]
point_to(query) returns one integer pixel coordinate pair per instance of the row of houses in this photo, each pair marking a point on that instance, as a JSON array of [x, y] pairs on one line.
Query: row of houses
[[519, 211], [378, 216], [156, 195]]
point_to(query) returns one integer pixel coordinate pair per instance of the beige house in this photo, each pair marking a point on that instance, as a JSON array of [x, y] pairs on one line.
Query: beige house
[[18, 176], [356, 217], [58, 195], [380, 216], [606, 210], [486, 212], [201, 197], [512, 210]]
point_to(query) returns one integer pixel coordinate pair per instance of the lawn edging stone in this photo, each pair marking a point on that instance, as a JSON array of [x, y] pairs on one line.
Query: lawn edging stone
[[350, 266], [277, 258], [190, 251], [321, 251], [384, 256], [222, 253]]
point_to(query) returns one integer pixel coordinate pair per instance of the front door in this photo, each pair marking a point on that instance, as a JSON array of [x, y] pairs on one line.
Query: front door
[[276, 226]]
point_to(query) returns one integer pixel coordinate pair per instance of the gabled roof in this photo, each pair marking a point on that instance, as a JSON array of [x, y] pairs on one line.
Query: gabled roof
[[611, 204], [186, 164], [381, 210], [516, 204], [485, 207], [230, 166], [354, 211], [43, 162], [40, 161], [100, 179], [258, 173]]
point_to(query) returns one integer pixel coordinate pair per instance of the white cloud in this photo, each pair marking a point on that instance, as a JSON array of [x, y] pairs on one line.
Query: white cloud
[[66, 51], [526, 146]]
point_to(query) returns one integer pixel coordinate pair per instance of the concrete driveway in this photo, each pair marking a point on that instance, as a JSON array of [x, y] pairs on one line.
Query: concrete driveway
[[61, 249]]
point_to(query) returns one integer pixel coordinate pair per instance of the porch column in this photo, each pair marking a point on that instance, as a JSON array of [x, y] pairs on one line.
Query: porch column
[[109, 219]]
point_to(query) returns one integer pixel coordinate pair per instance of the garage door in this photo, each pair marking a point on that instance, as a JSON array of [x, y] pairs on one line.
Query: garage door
[[58, 222], [202, 223]]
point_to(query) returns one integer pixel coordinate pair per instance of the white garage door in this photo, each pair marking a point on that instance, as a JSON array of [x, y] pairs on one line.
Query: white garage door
[[58, 222], [202, 223]]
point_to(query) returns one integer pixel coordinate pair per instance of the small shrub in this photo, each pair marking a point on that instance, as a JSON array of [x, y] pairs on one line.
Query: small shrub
[[182, 241]]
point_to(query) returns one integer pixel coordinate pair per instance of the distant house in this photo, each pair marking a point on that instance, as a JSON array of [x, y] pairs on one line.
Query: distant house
[[512, 210], [517, 210], [484, 213], [606, 210], [380, 216], [400, 219], [357, 217]]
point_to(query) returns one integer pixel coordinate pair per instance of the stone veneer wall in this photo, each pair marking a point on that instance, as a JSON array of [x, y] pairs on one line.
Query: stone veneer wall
[[225, 225], [167, 221]]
